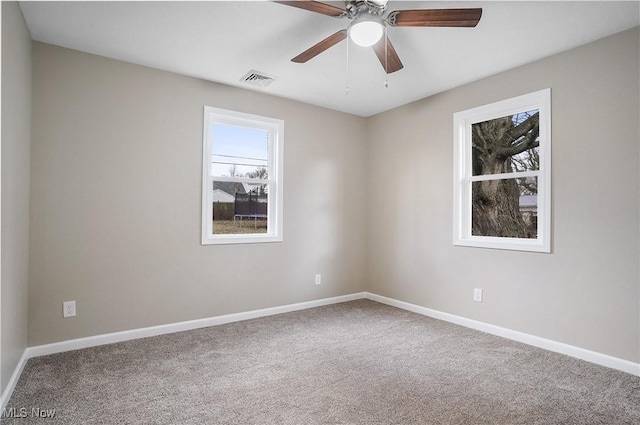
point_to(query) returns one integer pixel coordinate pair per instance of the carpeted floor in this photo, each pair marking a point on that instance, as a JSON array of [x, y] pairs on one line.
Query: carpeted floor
[[353, 363]]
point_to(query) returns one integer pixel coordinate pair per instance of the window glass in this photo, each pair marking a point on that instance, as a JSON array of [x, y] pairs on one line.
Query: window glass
[[239, 151]]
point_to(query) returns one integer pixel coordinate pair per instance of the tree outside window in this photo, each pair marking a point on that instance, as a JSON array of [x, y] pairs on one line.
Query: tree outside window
[[502, 174]]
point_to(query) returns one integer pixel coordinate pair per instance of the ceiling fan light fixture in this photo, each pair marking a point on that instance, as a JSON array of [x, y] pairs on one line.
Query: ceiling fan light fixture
[[366, 30]]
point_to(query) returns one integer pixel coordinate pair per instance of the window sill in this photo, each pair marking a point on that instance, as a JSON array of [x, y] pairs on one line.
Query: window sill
[[513, 244], [239, 239]]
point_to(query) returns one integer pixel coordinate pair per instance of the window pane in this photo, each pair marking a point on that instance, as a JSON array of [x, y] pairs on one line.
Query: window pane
[[239, 151], [239, 208], [507, 144], [505, 208]]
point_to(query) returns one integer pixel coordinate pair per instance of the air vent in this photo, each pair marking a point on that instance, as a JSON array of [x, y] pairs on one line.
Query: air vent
[[257, 78]]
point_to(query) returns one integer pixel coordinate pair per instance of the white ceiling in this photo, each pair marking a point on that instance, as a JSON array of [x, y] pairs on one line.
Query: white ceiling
[[222, 40]]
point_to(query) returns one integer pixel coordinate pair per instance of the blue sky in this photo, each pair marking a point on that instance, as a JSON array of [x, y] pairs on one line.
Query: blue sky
[[246, 147]]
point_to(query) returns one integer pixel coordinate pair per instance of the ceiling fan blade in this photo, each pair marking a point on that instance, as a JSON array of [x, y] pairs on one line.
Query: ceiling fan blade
[[392, 63], [314, 51], [435, 18], [316, 6]]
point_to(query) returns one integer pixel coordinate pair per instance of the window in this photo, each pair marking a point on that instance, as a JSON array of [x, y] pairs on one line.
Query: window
[[502, 174], [241, 178]]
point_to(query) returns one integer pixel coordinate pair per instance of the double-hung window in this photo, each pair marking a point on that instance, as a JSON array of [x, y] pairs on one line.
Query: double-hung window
[[502, 174], [241, 178]]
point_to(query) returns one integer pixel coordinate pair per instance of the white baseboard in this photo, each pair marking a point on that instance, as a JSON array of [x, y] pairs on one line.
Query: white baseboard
[[6, 395], [92, 341], [547, 344]]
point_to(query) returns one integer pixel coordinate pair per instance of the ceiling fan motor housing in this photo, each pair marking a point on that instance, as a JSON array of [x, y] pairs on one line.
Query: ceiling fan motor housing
[[359, 7]]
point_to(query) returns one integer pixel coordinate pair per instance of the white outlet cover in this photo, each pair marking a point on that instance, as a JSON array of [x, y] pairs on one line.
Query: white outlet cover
[[477, 295], [318, 279], [68, 309]]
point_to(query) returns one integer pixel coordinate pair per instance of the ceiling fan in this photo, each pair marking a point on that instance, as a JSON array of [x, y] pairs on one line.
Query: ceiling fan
[[368, 25]]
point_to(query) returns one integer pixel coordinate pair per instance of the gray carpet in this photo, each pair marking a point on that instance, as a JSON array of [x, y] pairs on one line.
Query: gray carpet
[[353, 363]]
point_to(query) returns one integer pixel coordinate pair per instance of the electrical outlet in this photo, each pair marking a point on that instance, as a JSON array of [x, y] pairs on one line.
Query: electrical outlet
[[68, 309], [318, 279], [477, 295]]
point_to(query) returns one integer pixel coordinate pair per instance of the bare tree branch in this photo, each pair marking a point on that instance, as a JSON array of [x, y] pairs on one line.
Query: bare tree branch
[[526, 126], [529, 141]]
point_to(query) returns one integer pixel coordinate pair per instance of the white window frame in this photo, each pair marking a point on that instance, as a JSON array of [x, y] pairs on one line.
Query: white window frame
[[463, 176], [275, 128]]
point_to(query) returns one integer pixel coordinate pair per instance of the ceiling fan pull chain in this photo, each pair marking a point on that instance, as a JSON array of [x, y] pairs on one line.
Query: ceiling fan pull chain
[[386, 59], [347, 88]]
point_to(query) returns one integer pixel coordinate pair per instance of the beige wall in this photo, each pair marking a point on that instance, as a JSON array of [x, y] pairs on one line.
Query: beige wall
[[586, 292], [16, 134], [116, 187]]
